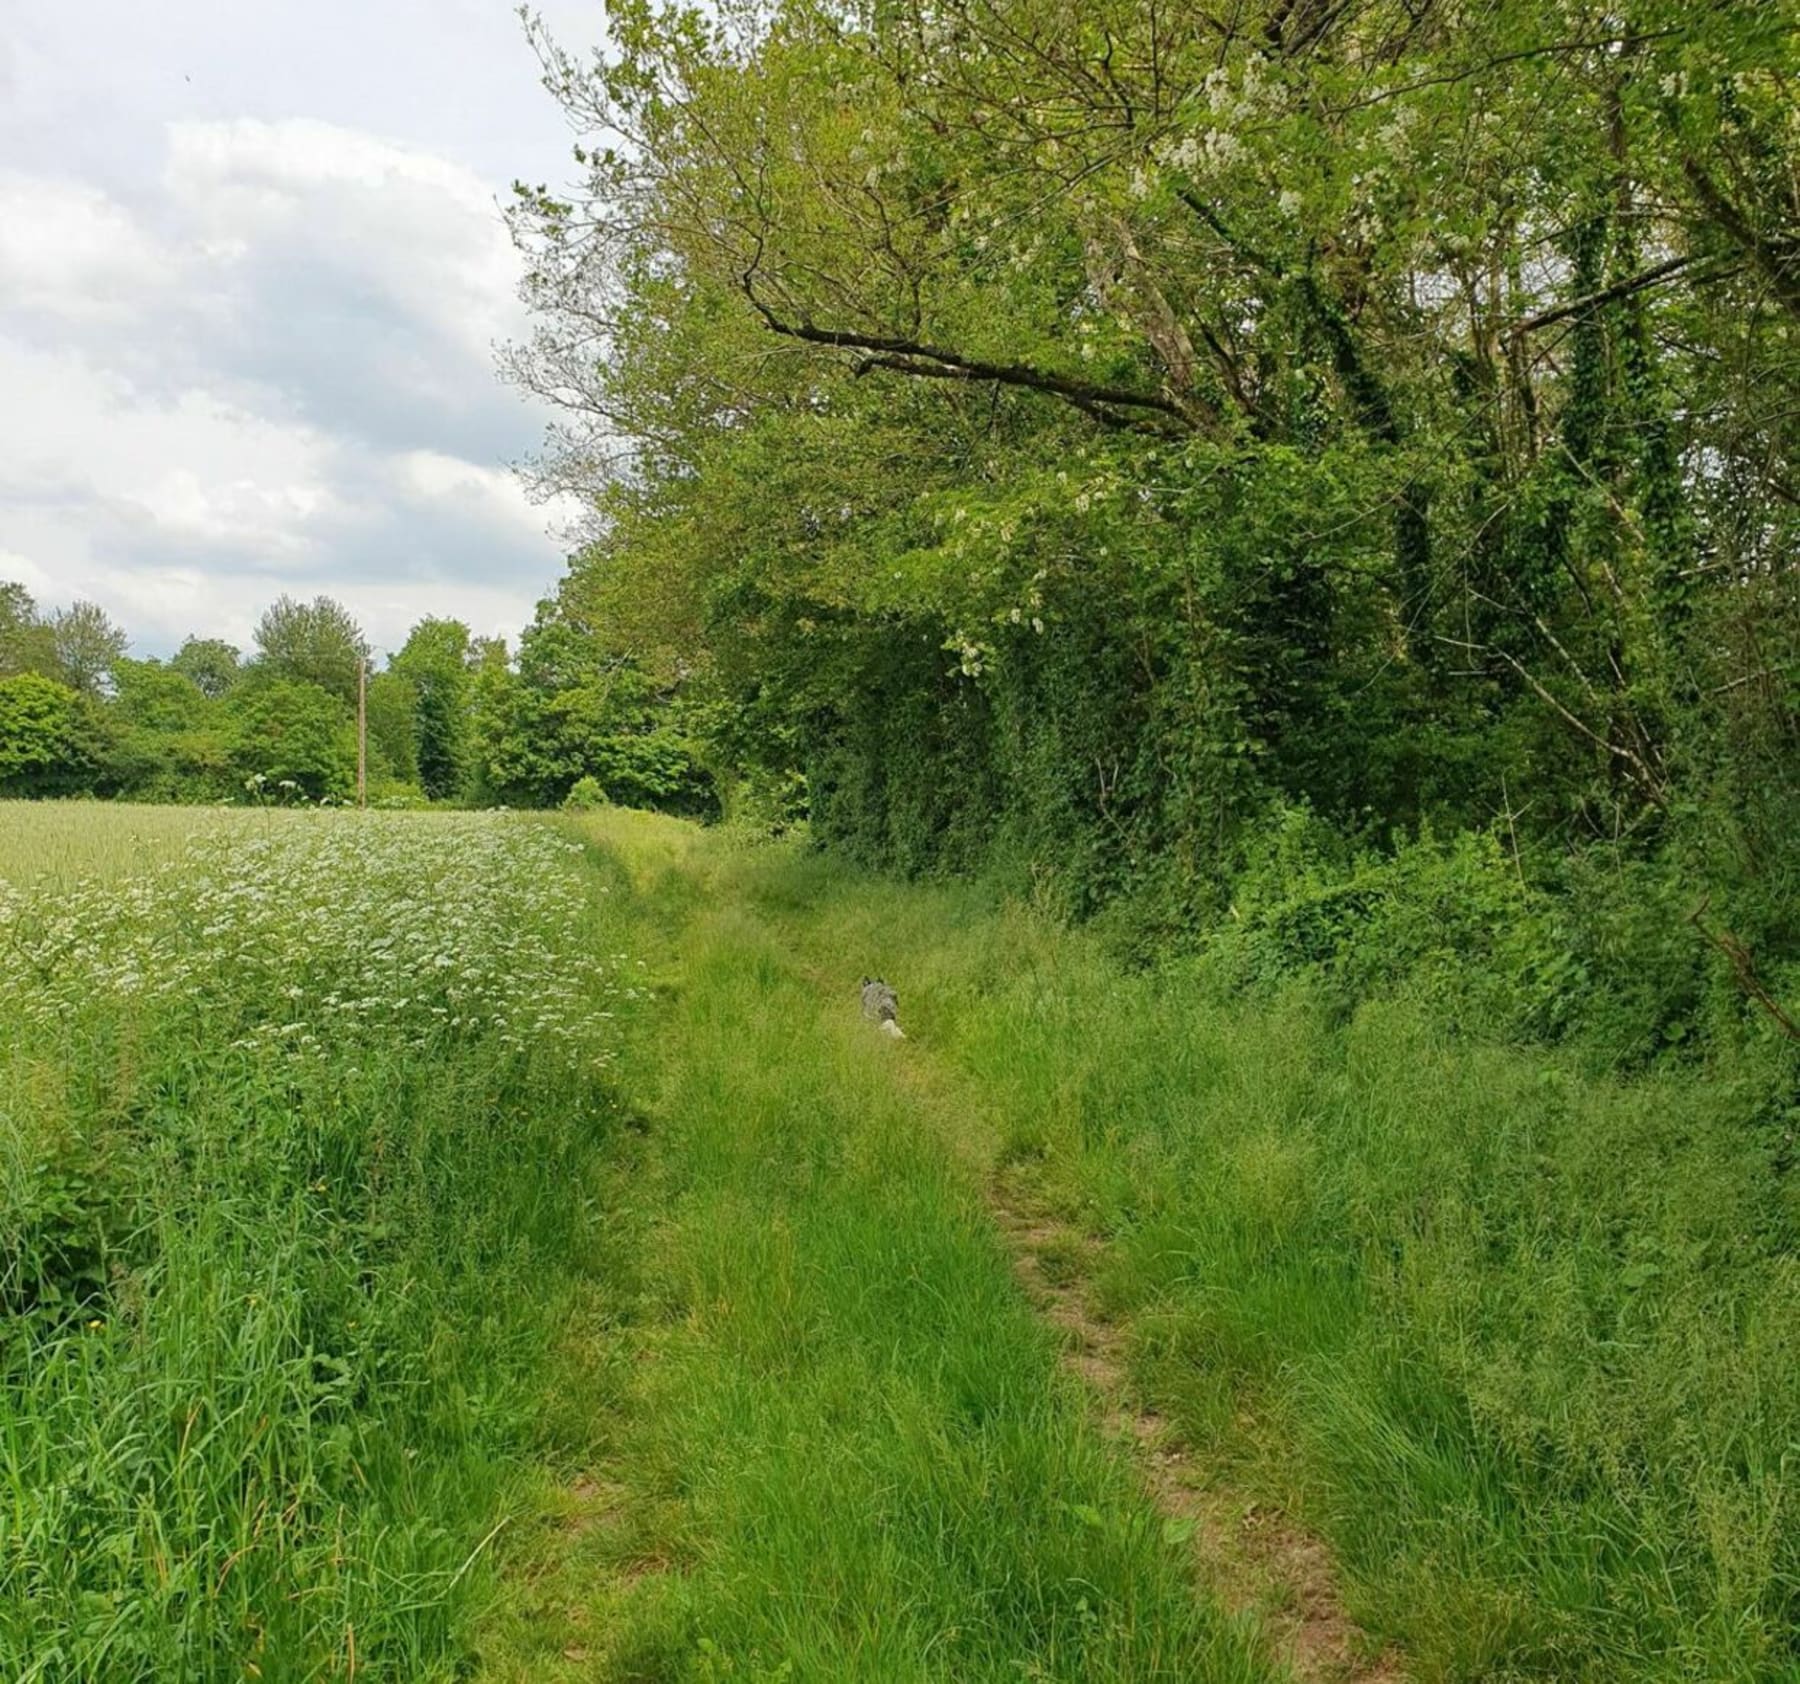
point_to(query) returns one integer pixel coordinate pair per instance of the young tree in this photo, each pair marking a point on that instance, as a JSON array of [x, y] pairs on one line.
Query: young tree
[[27, 643], [435, 661], [316, 642], [210, 662], [88, 645]]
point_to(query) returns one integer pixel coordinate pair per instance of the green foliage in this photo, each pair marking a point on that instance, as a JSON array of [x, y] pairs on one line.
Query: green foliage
[[27, 642], [211, 663], [585, 795], [1065, 438], [157, 697], [571, 711], [450, 720], [89, 647], [48, 742], [289, 731], [315, 642], [435, 663], [393, 748]]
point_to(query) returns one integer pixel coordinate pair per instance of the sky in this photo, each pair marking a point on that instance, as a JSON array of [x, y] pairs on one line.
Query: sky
[[252, 271]]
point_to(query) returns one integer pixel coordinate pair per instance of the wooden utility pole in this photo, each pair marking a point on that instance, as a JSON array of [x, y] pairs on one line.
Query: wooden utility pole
[[362, 732]]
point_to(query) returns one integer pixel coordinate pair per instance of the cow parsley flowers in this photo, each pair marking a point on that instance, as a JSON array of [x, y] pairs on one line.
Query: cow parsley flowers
[[333, 929]]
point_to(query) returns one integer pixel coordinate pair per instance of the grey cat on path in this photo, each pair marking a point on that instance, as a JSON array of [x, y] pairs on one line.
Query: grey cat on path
[[881, 1006]]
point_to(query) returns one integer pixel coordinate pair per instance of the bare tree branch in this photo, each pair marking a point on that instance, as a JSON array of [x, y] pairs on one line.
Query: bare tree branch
[[911, 356], [1744, 968], [1619, 289]]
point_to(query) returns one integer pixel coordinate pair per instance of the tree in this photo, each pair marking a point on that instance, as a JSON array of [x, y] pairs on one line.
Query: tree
[[169, 741], [574, 711], [315, 642], [435, 662], [289, 730], [156, 697], [45, 747], [27, 643], [512, 761], [1129, 420], [210, 663], [391, 705], [88, 645]]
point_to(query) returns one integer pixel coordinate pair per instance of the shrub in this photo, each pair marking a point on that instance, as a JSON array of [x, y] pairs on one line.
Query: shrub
[[585, 795]]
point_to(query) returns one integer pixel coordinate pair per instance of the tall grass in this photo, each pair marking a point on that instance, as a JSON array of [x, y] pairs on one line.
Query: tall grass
[[289, 1129], [318, 1234], [1522, 1340]]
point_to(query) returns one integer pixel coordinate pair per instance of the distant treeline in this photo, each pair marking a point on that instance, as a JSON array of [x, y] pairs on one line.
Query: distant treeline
[[451, 717]]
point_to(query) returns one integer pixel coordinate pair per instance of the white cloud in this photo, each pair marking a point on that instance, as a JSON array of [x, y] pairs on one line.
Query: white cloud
[[485, 493], [191, 512], [22, 570], [422, 231], [68, 249], [245, 338], [88, 433]]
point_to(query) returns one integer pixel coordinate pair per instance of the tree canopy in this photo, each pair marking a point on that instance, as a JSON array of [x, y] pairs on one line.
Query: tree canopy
[[1071, 428], [315, 642]]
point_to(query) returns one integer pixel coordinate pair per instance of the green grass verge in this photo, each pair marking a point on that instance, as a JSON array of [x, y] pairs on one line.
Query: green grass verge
[[1521, 1340]]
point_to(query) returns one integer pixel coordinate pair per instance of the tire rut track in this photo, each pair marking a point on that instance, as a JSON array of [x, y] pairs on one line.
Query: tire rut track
[[1252, 1557]]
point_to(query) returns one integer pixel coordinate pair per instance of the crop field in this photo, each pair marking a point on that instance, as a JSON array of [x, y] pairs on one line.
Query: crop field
[[46, 843]]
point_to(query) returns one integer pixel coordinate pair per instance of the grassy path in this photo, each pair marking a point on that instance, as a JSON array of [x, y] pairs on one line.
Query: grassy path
[[830, 1439], [1276, 1578], [1061, 1339]]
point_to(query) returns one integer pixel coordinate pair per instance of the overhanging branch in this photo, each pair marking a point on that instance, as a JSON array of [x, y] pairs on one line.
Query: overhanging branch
[[915, 357], [1650, 277]]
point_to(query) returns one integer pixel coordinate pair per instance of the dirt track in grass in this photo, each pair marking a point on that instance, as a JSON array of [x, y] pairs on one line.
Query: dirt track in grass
[[1247, 1554], [815, 1219]]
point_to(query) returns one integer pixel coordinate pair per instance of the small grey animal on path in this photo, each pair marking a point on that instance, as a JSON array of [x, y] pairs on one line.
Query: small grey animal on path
[[881, 1006]]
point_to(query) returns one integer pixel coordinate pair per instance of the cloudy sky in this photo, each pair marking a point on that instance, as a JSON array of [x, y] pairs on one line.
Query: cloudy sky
[[251, 273]]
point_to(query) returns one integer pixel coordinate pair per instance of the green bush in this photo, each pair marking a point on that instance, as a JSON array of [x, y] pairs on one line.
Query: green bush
[[288, 731], [50, 743], [585, 795]]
